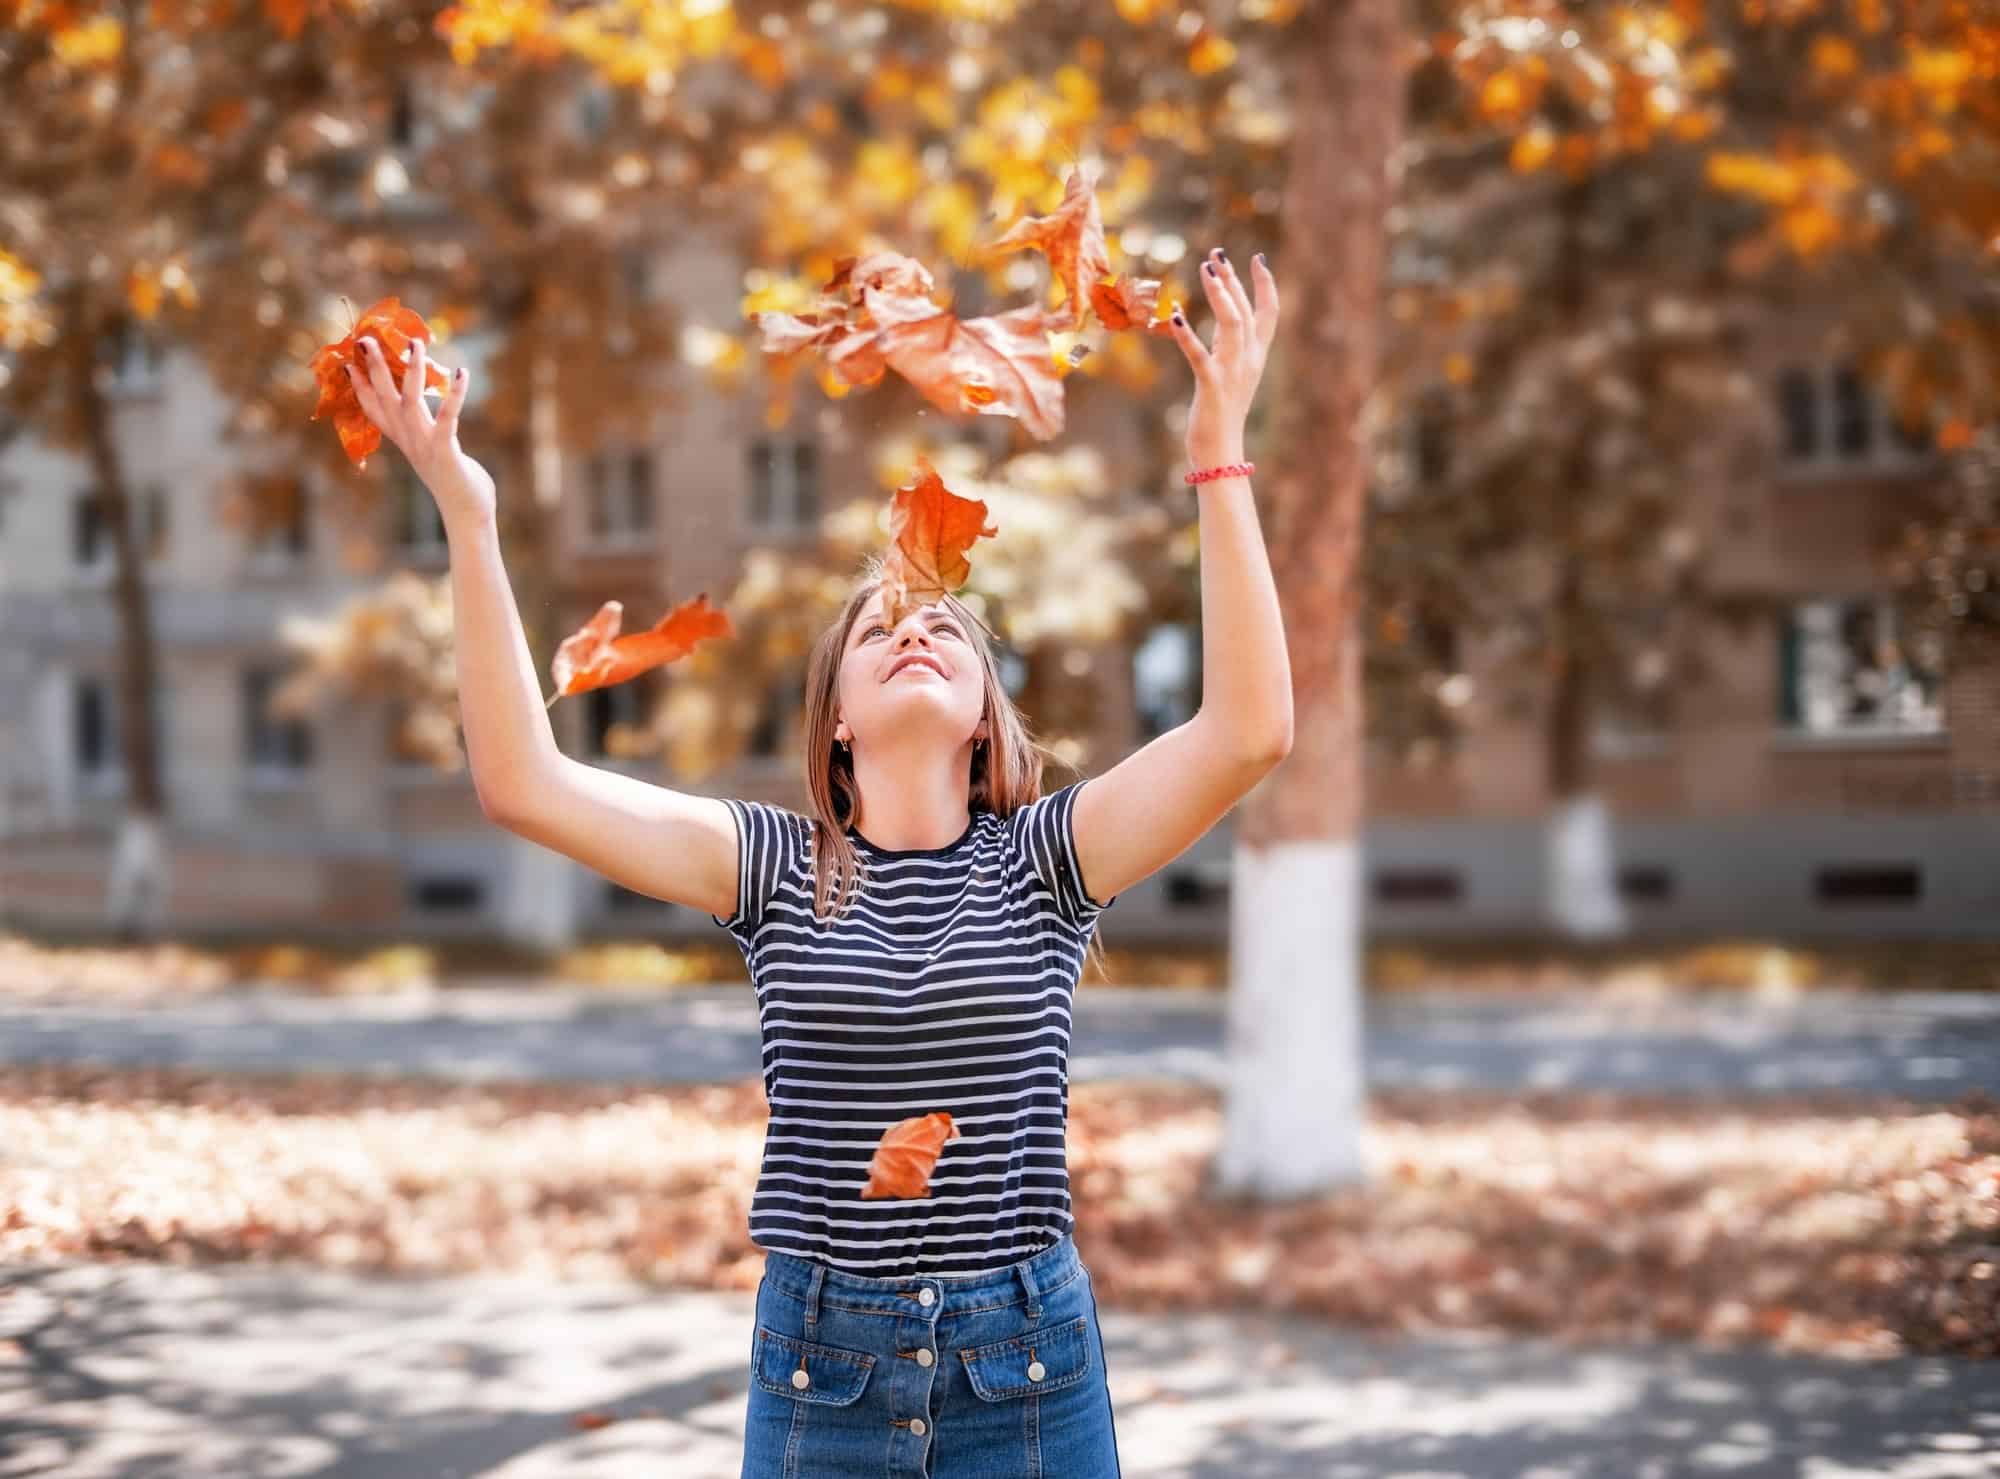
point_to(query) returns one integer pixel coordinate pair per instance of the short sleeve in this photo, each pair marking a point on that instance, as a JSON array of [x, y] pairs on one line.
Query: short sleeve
[[771, 841], [1042, 833]]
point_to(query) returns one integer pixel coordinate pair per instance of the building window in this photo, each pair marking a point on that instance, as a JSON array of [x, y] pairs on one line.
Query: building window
[[91, 540], [95, 729], [419, 524], [1844, 668], [285, 533], [272, 746], [1436, 887], [448, 893], [96, 738], [1430, 439], [1164, 672], [619, 498], [1869, 883], [1833, 416], [1798, 403], [1852, 413], [784, 483], [615, 714], [785, 697]]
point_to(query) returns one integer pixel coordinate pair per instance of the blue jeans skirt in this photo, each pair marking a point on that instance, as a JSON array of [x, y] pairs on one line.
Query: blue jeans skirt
[[997, 1375]]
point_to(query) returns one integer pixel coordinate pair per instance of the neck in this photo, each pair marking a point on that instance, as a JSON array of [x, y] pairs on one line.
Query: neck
[[908, 803]]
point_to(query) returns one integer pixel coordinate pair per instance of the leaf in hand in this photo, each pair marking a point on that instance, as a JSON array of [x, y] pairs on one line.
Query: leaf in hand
[[392, 326], [906, 1155], [595, 656], [931, 530]]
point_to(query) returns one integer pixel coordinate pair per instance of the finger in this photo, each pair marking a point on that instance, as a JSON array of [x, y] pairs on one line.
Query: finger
[[1267, 301], [413, 385], [1228, 327], [1236, 293], [1190, 343], [447, 417], [376, 368], [364, 395]]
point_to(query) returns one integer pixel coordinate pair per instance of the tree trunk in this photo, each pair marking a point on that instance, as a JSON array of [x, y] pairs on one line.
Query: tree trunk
[[1580, 858], [1580, 883], [136, 881], [1295, 1093]]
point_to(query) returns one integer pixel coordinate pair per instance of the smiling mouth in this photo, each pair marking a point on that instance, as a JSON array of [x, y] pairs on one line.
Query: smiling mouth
[[916, 667]]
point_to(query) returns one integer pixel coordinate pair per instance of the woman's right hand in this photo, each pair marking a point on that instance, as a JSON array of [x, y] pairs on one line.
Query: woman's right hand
[[460, 485]]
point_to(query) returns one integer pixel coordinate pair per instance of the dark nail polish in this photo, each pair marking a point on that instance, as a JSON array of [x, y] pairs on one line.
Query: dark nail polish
[[1209, 268], [1260, 260], [1220, 252]]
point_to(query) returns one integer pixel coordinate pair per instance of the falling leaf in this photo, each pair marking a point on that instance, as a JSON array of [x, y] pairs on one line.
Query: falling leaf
[[595, 656], [392, 327], [906, 1155], [931, 528], [1071, 237], [876, 314]]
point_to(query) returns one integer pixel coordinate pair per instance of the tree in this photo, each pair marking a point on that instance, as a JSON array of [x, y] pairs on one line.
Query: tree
[[124, 171]]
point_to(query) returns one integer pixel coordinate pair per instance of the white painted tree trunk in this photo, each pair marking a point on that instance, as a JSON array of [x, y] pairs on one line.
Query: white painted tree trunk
[[1295, 1082], [1581, 881], [135, 890]]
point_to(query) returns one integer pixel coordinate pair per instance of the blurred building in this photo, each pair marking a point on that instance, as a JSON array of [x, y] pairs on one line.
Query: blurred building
[[1832, 778]]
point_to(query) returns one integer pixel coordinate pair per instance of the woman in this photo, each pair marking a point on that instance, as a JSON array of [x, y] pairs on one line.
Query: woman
[[914, 945]]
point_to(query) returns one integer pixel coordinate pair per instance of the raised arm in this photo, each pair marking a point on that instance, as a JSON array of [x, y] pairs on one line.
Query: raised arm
[[1151, 807], [668, 844]]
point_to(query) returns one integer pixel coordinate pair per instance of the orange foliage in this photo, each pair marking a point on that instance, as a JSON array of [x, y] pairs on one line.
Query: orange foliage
[[875, 314], [595, 656], [932, 528]]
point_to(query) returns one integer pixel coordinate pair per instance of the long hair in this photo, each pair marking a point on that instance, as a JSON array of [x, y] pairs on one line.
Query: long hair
[[1006, 770]]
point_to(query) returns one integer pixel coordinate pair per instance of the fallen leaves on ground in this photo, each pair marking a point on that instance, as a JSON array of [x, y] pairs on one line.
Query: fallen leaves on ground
[[1823, 1225]]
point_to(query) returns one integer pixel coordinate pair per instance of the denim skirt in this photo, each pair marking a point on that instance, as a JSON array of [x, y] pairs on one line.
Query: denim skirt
[[998, 1375]]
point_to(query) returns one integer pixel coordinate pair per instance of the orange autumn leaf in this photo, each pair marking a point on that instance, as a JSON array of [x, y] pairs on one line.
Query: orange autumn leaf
[[1129, 303], [931, 528], [391, 326], [906, 1155], [1072, 238], [595, 656]]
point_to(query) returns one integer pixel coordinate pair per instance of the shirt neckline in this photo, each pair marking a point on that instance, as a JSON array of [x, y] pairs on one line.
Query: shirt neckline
[[971, 826]]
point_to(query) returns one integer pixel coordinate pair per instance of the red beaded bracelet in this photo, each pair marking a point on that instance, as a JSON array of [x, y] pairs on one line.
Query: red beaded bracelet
[[1227, 470]]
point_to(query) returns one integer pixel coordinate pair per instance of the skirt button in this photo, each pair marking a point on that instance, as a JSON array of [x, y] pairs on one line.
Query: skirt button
[[917, 1426], [800, 1379], [1036, 1371], [924, 1356], [925, 1297]]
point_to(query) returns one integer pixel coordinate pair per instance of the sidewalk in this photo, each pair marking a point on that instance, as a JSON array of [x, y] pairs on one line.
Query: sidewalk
[[142, 1369], [1932, 1046]]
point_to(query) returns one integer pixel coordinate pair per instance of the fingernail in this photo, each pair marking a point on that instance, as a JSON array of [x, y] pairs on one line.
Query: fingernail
[[1209, 268], [1260, 259], [1222, 253]]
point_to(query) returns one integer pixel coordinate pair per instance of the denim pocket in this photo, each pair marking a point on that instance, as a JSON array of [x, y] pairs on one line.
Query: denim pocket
[[832, 1375], [1030, 1364]]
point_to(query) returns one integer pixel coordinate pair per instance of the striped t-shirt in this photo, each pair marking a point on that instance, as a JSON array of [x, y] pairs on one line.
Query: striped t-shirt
[[945, 985]]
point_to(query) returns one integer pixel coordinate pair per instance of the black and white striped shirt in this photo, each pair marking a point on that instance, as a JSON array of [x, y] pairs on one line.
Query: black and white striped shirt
[[945, 985]]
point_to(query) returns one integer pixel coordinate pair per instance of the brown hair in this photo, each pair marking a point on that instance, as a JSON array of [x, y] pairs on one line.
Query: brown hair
[[1006, 769]]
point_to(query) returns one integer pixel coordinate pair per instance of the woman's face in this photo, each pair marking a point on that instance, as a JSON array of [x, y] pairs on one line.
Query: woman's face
[[919, 685]]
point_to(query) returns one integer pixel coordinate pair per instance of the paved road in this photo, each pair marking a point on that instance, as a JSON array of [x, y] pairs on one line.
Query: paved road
[[1929, 1046], [141, 1371]]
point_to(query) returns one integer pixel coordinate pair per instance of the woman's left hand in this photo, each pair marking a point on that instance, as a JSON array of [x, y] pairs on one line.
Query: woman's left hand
[[1226, 376]]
